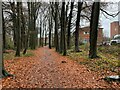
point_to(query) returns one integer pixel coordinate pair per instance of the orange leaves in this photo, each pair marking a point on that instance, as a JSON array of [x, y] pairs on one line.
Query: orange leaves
[[45, 70]]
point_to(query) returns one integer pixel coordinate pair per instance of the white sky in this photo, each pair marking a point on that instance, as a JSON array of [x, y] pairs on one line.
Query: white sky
[[106, 22]]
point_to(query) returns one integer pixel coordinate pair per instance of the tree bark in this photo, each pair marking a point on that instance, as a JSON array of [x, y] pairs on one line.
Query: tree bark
[[56, 27], [14, 17], [64, 28], [77, 27], [3, 72], [94, 29], [50, 29], [4, 32], [27, 37], [69, 26], [40, 43], [23, 28], [18, 30]]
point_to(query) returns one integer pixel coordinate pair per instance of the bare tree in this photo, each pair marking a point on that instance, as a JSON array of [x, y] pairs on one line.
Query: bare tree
[[69, 26], [3, 72], [18, 30], [94, 29], [77, 27]]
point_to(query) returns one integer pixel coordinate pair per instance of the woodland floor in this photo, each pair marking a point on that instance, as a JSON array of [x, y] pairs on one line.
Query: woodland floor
[[46, 70]]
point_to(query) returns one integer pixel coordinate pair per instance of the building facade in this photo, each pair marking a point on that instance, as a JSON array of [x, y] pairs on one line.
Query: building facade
[[114, 29], [85, 33]]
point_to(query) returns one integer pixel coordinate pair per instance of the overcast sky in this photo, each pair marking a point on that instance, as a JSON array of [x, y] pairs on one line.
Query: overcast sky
[[106, 22]]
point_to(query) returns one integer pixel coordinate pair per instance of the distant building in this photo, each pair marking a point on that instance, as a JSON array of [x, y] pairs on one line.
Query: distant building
[[114, 29], [85, 32]]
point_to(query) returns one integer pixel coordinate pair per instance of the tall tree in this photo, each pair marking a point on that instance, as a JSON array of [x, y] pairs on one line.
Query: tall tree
[[69, 26], [4, 32], [56, 27], [18, 30], [29, 21], [94, 29], [77, 27], [14, 18], [64, 28], [3, 72], [50, 30], [23, 27]]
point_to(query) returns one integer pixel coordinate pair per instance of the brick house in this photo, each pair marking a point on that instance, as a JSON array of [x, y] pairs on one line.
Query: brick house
[[114, 29], [84, 34]]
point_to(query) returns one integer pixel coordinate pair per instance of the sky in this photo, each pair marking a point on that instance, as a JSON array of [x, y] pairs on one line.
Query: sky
[[105, 22]]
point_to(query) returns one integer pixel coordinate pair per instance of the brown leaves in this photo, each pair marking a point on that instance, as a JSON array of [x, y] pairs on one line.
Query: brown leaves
[[45, 70]]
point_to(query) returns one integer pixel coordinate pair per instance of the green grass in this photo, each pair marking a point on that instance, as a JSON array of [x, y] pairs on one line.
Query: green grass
[[11, 55], [28, 54], [108, 57]]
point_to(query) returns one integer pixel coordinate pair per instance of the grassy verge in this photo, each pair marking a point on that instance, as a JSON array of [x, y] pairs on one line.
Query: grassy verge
[[108, 58], [11, 55]]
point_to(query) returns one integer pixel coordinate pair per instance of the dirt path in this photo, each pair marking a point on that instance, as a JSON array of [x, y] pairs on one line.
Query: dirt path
[[46, 70]]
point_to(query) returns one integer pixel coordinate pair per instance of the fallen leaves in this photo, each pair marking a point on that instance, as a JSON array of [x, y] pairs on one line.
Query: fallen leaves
[[45, 70]]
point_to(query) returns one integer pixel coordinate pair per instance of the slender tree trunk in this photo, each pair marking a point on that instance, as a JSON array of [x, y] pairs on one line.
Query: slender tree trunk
[[56, 28], [94, 29], [14, 22], [45, 38], [27, 37], [40, 36], [69, 26], [23, 28], [50, 28], [4, 32], [32, 27], [18, 30], [64, 29], [77, 27]]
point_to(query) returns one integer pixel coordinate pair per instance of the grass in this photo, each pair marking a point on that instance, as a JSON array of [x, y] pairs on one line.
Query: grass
[[108, 58], [11, 55]]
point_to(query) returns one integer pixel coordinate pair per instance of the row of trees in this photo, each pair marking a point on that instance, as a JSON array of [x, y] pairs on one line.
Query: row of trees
[[22, 22], [25, 21], [62, 42]]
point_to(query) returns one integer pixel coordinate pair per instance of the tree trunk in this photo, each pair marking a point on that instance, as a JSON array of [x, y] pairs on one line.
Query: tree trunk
[[23, 29], [45, 38], [77, 27], [4, 32], [27, 37], [69, 26], [62, 26], [56, 27], [50, 28], [14, 22], [3, 72], [64, 29], [40, 43], [18, 30], [32, 26], [94, 29]]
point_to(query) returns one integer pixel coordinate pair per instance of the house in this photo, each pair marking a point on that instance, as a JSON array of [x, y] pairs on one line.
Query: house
[[85, 32], [114, 29]]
